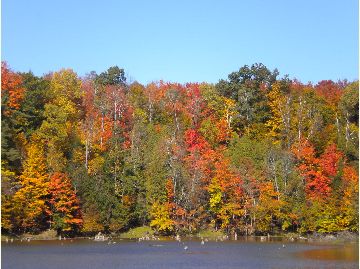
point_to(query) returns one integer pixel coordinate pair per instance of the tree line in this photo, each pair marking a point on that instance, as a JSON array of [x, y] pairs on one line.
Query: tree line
[[252, 154]]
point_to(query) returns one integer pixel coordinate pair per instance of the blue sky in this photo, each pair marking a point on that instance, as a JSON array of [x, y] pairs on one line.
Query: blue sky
[[183, 41]]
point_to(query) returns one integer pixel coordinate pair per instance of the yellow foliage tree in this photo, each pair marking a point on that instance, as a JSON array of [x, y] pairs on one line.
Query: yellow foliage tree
[[92, 223], [30, 200], [277, 103], [268, 209], [215, 193], [61, 118], [161, 220]]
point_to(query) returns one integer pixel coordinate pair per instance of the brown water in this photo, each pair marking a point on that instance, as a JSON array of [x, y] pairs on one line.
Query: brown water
[[81, 254]]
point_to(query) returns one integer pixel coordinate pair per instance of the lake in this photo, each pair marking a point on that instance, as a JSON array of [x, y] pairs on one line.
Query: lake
[[82, 253]]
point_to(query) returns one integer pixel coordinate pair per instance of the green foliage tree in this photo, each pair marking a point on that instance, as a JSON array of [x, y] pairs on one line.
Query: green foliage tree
[[349, 133]]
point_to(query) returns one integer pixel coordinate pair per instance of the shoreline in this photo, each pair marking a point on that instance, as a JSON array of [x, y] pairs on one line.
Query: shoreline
[[338, 237]]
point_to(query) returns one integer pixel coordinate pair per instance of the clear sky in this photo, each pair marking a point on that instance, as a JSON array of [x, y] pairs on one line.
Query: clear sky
[[183, 41]]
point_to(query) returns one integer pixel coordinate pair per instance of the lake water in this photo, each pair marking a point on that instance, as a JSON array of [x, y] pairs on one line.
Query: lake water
[[81, 254]]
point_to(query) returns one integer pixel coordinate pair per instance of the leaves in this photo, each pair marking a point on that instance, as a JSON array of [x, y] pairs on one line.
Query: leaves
[[30, 200], [12, 91], [251, 154], [64, 208], [161, 218]]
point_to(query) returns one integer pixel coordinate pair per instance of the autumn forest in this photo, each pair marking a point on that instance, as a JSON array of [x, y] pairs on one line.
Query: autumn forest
[[255, 153]]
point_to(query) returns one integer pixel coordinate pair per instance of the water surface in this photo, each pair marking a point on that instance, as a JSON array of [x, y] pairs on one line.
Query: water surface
[[81, 254]]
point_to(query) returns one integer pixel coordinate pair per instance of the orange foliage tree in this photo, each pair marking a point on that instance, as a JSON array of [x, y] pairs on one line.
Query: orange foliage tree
[[348, 217], [64, 207], [12, 91]]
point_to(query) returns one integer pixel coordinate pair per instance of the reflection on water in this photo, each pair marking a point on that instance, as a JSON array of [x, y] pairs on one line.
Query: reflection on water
[[244, 254], [346, 253]]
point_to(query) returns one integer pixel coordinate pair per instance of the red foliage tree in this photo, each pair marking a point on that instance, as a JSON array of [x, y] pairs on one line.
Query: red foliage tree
[[316, 184], [317, 172], [329, 160], [329, 90]]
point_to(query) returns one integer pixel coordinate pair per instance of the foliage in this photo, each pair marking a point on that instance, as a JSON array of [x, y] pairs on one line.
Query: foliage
[[12, 91], [12, 97], [64, 208], [8, 180], [91, 223], [254, 153], [161, 218], [30, 201]]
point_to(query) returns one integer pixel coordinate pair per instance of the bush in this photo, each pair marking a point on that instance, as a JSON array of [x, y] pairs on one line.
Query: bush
[[137, 232]]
